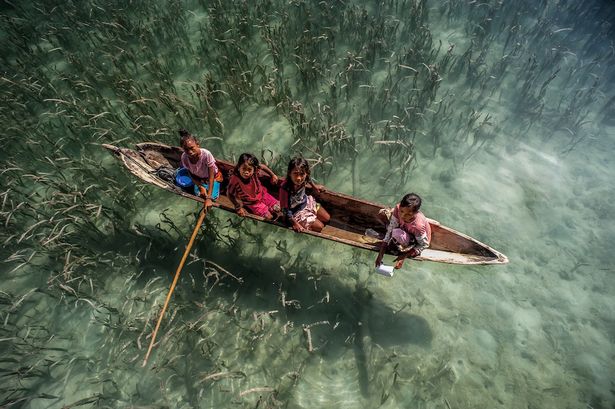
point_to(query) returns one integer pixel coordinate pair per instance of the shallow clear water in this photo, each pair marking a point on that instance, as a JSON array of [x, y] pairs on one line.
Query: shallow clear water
[[505, 129]]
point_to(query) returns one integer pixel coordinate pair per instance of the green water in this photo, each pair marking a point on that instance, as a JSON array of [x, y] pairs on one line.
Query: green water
[[499, 114]]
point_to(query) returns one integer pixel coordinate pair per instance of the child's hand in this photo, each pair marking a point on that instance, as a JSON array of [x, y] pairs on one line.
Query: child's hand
[[241, 212], [317, 188], [297, 227], [274, 179], [208, 203], [413, 253], [202, 192]]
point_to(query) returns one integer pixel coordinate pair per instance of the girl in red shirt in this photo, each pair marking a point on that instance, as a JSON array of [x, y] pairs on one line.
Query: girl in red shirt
[[248, 193]]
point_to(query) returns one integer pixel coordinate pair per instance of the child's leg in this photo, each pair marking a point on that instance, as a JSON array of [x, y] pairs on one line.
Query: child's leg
[[401, 237], [317, 226], [412, 253], [306, 218], [310, 216], [273, 205], [322, 215], [269, 200], [322, 218], [260, 209], [399, 261], [215, 192]]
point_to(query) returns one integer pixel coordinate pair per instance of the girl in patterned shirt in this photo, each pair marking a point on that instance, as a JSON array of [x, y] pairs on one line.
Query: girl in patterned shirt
[[300, 209]]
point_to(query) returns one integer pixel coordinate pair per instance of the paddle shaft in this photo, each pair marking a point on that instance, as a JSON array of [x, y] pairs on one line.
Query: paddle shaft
[[177, 273]]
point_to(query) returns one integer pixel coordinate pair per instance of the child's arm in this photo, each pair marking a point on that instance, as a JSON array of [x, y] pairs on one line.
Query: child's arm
[[272, 175], [210, 186], [421, 239], [399, 261], [288, 215], [383, 247], [297, 227], [198, 183], [237, 202], [314, 186], [290, 220], [412, 253], [422, 242], [393, 223]]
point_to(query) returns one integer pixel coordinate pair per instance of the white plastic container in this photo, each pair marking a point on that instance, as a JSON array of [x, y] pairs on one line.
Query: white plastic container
[[385, 270]]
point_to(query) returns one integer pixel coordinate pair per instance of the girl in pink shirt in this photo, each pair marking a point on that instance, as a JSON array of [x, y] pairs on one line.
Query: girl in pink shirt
[[408, 231], [202, 167]]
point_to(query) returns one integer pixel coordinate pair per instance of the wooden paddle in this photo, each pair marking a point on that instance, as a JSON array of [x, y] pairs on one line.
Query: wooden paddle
[[179, 269]]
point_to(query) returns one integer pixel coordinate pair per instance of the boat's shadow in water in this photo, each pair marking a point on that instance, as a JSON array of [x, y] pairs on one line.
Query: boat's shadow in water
[[356, 318], [339, 313]]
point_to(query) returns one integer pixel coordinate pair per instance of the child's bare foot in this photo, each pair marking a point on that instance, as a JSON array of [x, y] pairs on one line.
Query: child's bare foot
[[276, 216], [399, 263]]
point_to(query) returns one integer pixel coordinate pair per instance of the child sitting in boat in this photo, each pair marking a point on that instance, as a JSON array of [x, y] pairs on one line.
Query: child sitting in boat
[[300, 209], [247, 192], [408, 231], [202, 167]]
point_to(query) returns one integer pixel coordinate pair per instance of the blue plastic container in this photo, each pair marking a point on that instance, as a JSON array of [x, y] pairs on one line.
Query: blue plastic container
[[183, 179]]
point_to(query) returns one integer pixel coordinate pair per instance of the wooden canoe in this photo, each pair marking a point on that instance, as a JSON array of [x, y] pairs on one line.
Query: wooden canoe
[[350, 217]]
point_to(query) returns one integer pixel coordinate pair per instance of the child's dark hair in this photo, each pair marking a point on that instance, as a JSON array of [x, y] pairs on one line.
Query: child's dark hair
[[301, 164], [249, 159], [411, 201], [184, 136]]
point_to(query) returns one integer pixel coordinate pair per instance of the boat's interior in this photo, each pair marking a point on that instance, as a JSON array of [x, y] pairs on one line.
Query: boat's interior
[[350, 217]]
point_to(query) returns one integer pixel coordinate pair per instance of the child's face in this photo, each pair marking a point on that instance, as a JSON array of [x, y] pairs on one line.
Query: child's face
[[298, 176], [246, 170], [192, 149], [405, 214]]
